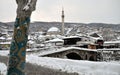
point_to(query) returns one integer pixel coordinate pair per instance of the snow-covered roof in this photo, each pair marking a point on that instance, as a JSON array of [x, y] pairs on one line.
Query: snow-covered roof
[[41, 36], [55, 40], [118, 37], [96, 38], [71, 37], [5, 42], [86, 42], [95, 35], [31, 42], [82, 34], [29, 37], [9, 38], [2, 38], [111, 42], [53, 29], [4, 52]]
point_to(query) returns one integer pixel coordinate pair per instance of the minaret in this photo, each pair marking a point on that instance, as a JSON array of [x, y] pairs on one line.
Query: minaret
[[62, 21]]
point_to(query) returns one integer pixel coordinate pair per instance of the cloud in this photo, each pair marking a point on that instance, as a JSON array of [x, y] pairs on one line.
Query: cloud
[[8, 10], [75, 10]]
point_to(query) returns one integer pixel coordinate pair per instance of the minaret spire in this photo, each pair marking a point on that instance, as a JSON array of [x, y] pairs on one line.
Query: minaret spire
[[63, 16]]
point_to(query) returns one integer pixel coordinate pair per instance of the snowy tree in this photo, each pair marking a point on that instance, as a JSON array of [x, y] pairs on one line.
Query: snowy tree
[[18, 45]]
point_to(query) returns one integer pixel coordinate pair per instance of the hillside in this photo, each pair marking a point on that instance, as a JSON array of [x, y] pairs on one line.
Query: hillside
[[45, 25]]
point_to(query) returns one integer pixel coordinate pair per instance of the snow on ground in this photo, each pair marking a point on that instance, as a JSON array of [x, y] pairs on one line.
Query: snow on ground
[[4, 52], [81, 67], [3, 68]]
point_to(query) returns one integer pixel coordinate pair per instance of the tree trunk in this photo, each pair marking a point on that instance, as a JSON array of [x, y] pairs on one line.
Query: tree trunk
[[19, 42]]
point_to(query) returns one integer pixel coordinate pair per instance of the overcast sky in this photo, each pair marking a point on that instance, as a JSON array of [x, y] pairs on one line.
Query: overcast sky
[[82, 11]]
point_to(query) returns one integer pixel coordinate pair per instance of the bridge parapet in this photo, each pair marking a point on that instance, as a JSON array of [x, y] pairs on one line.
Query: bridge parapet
[[112, 54]]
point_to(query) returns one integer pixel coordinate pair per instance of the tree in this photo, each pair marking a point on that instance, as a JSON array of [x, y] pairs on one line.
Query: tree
[[18, 45]]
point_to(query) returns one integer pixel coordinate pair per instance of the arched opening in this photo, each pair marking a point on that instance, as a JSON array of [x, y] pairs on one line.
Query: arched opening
[[74, 56], [86, 57], [92, 58]]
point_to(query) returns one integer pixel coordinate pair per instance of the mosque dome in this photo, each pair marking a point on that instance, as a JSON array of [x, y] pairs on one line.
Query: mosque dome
[[53, 29]]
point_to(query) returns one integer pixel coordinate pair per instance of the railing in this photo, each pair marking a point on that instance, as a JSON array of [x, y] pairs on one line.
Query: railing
[[112, 54]]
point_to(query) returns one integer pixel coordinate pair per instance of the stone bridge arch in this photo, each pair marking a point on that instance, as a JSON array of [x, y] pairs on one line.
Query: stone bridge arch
[[92, 58], [74, 56]]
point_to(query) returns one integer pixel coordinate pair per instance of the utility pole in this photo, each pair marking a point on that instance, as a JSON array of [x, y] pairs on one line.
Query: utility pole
[[17, 57]]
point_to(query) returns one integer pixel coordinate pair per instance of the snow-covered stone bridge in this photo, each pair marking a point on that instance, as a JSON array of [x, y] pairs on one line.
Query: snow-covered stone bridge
[[74, 53]]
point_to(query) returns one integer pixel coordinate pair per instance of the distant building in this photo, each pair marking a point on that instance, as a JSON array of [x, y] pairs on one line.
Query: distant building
[[72, 40], [55, 42]]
